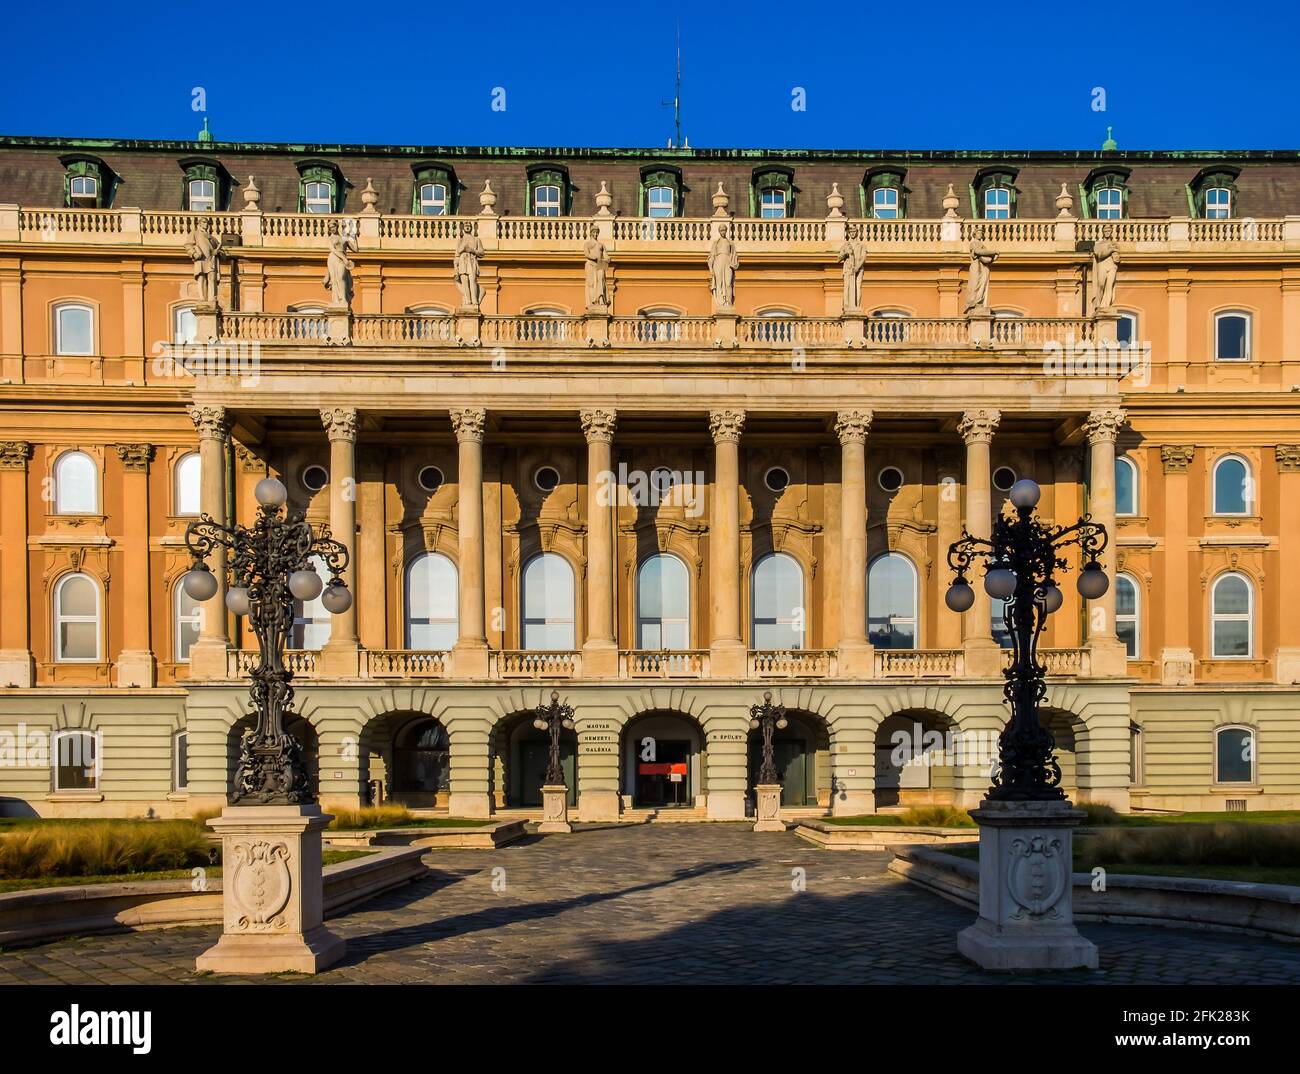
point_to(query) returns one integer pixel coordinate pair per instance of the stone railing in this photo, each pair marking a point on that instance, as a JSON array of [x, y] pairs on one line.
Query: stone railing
[[405, 664], [791, 663], [1076, 663], [274, 327], [527, 664], [668, 664], [302, 662], [919, 663]]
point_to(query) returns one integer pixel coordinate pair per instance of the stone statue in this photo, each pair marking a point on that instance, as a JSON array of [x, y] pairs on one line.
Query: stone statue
[[723, 263], [597, 265], [853, 255], [204, 249], [977, 282], [338, 266], [1105, 269], [468, 251]]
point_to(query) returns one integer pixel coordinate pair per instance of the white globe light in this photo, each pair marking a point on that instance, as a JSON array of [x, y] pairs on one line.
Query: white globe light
[[1093, 582], [237, 600], [270, 492], [1052, 599], [782, 723], [305, 584], [540, 724], [753, 724], [336, 599], [1000, 583], [200, 583], [959, 597], [1025, 493]]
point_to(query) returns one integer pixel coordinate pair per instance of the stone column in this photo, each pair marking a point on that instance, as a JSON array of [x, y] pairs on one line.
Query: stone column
[[856, 659], [17, 667], [983, 656], [727, 648], [469, 656], [208, 653], [341, 655], [1287, 666], [1177, 665], [600, 649], [1102, 427], [946, 633], [135, 663]]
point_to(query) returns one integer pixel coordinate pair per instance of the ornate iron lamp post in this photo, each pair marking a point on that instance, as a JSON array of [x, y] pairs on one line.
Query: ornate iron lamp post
[[269, 568], [1026, 824], [767, 719], [554, 718]]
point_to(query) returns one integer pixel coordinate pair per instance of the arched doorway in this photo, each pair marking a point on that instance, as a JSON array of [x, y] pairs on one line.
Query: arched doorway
[[801, 751], [663, 761], [519, 759], [1064, 727], [405, 758], [915, 761], [302, 731]]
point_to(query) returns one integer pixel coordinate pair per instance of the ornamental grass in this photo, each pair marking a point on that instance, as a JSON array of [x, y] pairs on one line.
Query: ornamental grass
[[939, 816], [103, 849], [384, 816], [1256, 845]]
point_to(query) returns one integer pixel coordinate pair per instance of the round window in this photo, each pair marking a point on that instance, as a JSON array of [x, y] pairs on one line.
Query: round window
[[776, 479], [315, 478], [430, 478], [1003, 478], [891, 479], [546, 478], [661, 480]]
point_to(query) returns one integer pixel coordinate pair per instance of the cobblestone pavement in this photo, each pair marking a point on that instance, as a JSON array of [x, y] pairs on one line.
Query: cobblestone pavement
[[665, 903]]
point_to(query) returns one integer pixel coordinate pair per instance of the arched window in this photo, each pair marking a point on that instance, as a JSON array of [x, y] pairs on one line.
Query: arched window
[[74, 329], [319, 185], [202, 195], [433, 199], [76, 761], [432, 595], [188, 477], [188, 617], [1234, 755], [548, 191], [76, 484], [891, 602], [181, 761], [660, 192], [1232, 615], [663, 599], [311, 622], [1127, 622], [1126, 329], [76, 620], [1233, 486], [185, 328], [776, 603], [1232, 336], [1126, 486], [548, 604]]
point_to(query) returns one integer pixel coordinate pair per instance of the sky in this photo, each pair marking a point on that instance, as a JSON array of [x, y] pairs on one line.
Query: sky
[[929, 75]]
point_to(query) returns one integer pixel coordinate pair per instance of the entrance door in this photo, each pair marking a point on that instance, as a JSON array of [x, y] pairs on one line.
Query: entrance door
[[791, 765], [532, 771], [665, 781]]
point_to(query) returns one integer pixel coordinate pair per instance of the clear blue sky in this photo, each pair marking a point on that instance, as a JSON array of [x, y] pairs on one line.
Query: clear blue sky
[[1190, 75]]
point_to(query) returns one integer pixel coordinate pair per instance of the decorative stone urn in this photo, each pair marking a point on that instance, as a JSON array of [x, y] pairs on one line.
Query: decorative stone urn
[[720, 201], [1026, 917], [768, 809], [555, 809], [834, 203], [271, 892], [604, 200], [487, 199]]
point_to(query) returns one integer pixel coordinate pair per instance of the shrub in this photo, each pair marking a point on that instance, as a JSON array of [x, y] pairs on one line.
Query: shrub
[[385, 816], [1099, 814], [937, 817], [1269, 845], [102, 849]]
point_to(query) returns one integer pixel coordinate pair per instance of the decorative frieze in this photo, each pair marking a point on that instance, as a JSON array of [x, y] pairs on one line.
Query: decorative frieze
[[1176, 458]]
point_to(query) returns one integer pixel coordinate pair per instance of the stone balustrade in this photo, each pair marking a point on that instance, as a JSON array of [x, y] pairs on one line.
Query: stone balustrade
[[405, 664], [791, 663], [530, 664], [919, 663], [664, 664]]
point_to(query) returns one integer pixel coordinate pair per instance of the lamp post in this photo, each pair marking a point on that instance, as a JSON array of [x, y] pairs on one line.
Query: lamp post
[[1026, 822], [554, 718], [767, 719], [271, 828]]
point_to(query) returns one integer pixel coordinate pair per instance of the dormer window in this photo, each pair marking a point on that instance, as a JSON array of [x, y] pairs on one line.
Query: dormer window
[[1105, 193], [772, 194], [433, 199], [435, 191], [548, 191], [319, 188], [994, 194], [1110, 203], [205, 187], [83, 191], [87, 183], [202, 195], [1212, 195], [884, 203], [883, 194], [660, 193], [997, 204], [1218, 203]]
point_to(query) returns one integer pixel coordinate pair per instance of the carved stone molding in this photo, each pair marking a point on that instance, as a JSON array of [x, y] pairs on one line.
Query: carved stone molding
[[249, 461], [1104, 424], [14, 454], [598, 425], [726, 425], [1176, 459], [212, 422], [978, 426], [1288, 458], [852, 426], [469, 424], [135, 457], [340, 423]]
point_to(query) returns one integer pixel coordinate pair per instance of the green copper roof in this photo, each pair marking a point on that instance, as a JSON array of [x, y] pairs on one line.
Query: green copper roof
[[205, 135], [1109, 145]]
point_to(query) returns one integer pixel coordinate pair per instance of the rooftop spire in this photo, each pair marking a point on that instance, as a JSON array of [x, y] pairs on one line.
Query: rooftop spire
[[205, 135], [1109, 145]]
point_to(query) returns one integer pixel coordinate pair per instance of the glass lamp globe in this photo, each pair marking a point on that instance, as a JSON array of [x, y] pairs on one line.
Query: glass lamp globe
[[1025, 493], [270, 492], [567, 724], [1000, 583], [753, 724], [540, 724], [237, 599], [959, 597], [1052, 599], [200, 583], [337, 599], [1093, 582], [305, 584], [782, 723]]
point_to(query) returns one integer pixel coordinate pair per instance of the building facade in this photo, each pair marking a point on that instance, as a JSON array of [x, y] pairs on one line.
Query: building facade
[[659, 432]]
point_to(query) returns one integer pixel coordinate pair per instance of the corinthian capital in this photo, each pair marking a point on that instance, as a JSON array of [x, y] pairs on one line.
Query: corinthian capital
[[14, 454], [852, 426], [135, 456], [1104, 424], [469, 424], [1288, 458], [726, 425], [1176, 458], [978, 426], [598, 425], [212, 422], [340, 422]]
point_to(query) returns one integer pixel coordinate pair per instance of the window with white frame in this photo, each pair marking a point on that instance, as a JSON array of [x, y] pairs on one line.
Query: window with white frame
[[76, 484], [1126, 329], [83, 191], [1110, 203], [1232, 336], [432, 603], [318, 197], [203, 195], [189, 483], [311, 621], [776, 603], [1126, 615], [433, 199], [185, 328], [663, 596], [998, 625], [181, 761], [1234, 755], [547, 199], [548, 599], [1233, 491], [74, 329], [891, 602], [997, 203], [76, 761], [186, 621], [1218, 203], [884, 203], [659, 201], [771, 203], [1126, 486], [1232, 606], [76, 620]]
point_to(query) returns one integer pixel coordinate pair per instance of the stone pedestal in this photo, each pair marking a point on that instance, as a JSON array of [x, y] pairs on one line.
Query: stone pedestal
[[1026, 917], [725, 805], [1177, 667], [271, 892], [768, 812], [206, 316], [338, 325], [555, 809], [468, 320], [17, 667], [598, 805], [135, 668], [724, 329], [597, 321]]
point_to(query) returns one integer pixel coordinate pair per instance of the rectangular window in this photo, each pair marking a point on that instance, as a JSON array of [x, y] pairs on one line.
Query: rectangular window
[[84, 190], [76, 764], [772, 205], [1218, 203], [884, 203], [1110, 203], [181, 777], [997, 203], [1232, 338], [203, 195], [546, 200], [318, 198], [433, 199], [659, 201], [74, 330], [1235, 763]]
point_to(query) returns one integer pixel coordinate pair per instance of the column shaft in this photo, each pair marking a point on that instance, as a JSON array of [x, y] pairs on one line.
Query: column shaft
[[135, 663], [976, 428], [470, 657], [727, 649], [17, 667], [600, 649], [855, 656], [1287, 665], [1102, 427], [208, 654]]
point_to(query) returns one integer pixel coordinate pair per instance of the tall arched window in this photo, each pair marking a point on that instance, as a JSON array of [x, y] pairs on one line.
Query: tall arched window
[[1233, 486], [76, 761], [432, 617], [76, 484], [188, 616], [311, 622], [1126, 486], [891, 602], [547, 622], [663, 599], [1232, 614], [1234, 755], [1127, 622], [189, 478], [74, 329], [776, 603], [76, 620]]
